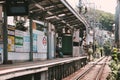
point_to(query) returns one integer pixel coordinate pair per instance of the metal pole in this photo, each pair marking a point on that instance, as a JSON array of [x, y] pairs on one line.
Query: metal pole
[[49, 41], [118, 44], [31, 40], [93, 40], [46, 23], [5, 38], [94, 30]]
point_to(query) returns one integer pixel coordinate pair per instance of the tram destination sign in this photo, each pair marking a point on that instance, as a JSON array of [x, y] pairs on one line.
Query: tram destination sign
[[17, 7]]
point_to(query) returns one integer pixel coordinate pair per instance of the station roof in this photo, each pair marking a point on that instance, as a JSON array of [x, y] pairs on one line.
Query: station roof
[[57, 12]]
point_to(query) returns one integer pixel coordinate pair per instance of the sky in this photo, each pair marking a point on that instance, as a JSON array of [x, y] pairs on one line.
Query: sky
[[105, 5]]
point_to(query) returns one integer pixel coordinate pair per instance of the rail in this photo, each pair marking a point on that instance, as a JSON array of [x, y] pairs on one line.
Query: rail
[[89, 69]]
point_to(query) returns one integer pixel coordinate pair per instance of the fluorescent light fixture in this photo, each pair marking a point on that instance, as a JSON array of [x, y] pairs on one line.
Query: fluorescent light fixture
[[37, 5], [60, 15], [49, 13], [63, 21], [68, 24], [51, 17], [49, 7], [57, 18]]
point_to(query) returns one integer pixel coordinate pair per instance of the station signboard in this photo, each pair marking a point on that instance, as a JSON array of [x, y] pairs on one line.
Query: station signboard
[[17, 7]]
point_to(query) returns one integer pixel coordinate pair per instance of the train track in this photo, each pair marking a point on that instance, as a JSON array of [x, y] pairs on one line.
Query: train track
[[98, 76], [98, 71]]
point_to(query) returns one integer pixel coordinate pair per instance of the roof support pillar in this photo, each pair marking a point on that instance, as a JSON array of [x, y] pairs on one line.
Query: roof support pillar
[[31, 41], [50, 41], [5, 38]]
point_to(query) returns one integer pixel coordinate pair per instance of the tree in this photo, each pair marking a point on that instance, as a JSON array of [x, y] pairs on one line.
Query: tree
[[106, 19], [98, 16]]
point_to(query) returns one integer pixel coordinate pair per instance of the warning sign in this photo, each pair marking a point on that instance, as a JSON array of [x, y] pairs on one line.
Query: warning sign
[[44, 41]]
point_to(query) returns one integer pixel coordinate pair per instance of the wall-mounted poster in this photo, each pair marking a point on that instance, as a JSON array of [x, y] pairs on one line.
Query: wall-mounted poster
[[19, 41], [34, 42], [11, 43], [26, 43], [10, 32], [42, 43], [18, 44]]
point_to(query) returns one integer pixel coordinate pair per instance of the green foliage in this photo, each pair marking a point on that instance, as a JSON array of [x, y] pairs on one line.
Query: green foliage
[[118, 56], [115, 66], [114, 75], [106, 19], [107, 47]]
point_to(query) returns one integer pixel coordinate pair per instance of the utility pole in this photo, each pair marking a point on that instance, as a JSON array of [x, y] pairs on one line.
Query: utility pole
[[118, 44], [90, 16], [117, 24], [94, 31]]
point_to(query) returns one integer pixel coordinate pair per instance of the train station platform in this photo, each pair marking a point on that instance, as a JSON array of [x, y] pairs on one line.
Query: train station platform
[[60, 65]]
